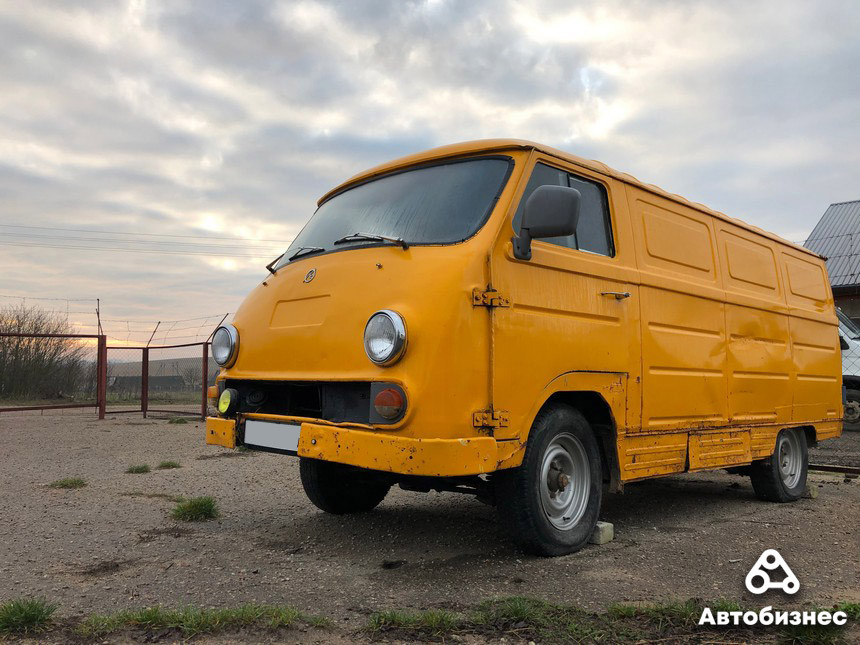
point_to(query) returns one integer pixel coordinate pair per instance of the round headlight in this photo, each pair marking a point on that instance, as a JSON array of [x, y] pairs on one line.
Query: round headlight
[[385, 337], [225, 345]]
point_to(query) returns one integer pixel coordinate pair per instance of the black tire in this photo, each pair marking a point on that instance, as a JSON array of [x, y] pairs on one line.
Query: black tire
[[769, 479], [852, 410], [518, 490], [338, 489]]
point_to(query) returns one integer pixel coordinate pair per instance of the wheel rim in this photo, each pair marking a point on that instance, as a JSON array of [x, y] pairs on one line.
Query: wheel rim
[[565, 481], [852, 412], [790, 461]]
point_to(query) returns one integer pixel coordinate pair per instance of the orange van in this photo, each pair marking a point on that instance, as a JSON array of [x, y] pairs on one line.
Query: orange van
[[505, 319]]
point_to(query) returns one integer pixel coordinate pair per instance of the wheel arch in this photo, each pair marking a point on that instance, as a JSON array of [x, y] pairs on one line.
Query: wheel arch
[[601, 397]]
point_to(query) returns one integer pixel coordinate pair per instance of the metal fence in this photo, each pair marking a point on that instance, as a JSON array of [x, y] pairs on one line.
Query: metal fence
[[64, 371], [169, 379]]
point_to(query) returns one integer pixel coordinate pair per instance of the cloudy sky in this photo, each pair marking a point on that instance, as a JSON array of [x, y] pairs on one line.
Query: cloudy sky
[[151, 126]]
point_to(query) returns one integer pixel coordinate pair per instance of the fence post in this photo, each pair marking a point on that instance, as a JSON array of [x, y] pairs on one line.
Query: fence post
[[205, 401], [101, 376], [144, 380]]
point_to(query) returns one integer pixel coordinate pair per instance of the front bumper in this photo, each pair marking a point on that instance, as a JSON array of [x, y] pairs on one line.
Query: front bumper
[[384, 451]]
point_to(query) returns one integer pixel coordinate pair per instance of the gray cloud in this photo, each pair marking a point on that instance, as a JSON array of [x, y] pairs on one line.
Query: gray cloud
[[232, 118]]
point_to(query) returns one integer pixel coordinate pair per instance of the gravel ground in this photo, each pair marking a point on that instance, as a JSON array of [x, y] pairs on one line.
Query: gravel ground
[[112, 544]]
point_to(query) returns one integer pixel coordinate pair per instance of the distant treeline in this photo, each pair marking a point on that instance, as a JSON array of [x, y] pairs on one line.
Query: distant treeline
[[43, 368]]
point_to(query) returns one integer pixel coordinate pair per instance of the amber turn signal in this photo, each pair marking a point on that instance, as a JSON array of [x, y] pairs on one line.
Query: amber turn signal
[[388, 403]]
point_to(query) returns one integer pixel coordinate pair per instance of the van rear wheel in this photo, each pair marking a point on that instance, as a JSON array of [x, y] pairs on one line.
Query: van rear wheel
[[338, 489], [552, 501], [782, 476]]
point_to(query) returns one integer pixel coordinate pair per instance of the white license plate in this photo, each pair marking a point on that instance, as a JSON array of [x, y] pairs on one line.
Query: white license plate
[[265, 434]]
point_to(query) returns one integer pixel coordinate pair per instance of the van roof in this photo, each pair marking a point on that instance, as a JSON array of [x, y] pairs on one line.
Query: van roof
[[491, 145]]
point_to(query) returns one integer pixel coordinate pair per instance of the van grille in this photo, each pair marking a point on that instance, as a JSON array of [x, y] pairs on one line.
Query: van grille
[[336, 402]]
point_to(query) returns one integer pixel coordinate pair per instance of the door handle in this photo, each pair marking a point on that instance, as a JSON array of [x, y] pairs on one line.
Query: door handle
[[618, 295]]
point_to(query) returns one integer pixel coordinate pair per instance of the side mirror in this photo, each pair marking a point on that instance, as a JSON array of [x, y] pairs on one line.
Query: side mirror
[[551, 211], [843, 343]]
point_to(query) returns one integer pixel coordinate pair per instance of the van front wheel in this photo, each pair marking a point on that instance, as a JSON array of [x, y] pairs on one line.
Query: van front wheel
[[552, 501], [782, 476], [338, 489]]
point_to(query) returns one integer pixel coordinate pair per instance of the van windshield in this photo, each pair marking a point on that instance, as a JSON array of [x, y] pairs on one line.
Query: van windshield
[[440, 204], [847, 325]]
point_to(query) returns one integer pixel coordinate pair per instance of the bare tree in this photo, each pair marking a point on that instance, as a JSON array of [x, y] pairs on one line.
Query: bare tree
[[33, 367]]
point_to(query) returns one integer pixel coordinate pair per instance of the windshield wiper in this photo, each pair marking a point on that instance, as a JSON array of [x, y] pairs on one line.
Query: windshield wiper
[[373, 238], [270, 267], [305, 250]]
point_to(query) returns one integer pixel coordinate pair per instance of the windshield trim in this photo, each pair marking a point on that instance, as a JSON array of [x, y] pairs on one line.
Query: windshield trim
[[445, 161]]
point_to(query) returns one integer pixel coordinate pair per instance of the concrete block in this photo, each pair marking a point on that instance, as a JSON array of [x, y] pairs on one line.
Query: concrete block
[[811, 492], [604, 532]]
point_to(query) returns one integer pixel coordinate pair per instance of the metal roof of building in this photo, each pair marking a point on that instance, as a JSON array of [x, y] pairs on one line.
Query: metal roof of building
[[837, 237]]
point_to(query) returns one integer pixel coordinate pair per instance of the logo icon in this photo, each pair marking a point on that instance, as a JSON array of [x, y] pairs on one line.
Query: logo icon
[[758, 579], [310, 275]]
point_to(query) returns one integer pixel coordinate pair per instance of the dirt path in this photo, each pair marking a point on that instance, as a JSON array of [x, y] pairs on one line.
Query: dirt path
[[111, 544]]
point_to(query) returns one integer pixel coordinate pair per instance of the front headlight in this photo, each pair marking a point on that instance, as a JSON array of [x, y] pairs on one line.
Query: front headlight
[[385, 337], [225, 345]]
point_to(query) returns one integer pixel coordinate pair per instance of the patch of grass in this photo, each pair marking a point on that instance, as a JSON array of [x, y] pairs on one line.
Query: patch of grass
[[68, 483], [196, 509], [538, 619], [850, 608], [522, 618], [243, 449], [673, 614], [25, 615], [167, 465], [724, 605], [191, 621], [137, 470], [432, 622], [178, 421], [811, 635]]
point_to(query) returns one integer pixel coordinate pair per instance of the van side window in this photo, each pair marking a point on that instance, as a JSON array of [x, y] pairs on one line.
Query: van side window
[[594, 231]]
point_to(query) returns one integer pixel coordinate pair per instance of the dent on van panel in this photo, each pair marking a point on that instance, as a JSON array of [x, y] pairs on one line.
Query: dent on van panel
[[684, 357], [759, 365]]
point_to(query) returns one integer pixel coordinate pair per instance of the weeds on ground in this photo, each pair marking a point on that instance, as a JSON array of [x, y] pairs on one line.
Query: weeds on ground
[[167, 465], [178, 421], [192, 621], [68, 483], [196, 509], [850, 608], [533, 619], [25, 615], [138, 470], [432, 622]]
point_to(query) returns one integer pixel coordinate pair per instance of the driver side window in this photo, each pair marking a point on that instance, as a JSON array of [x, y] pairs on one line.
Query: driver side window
[[594, 231]]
